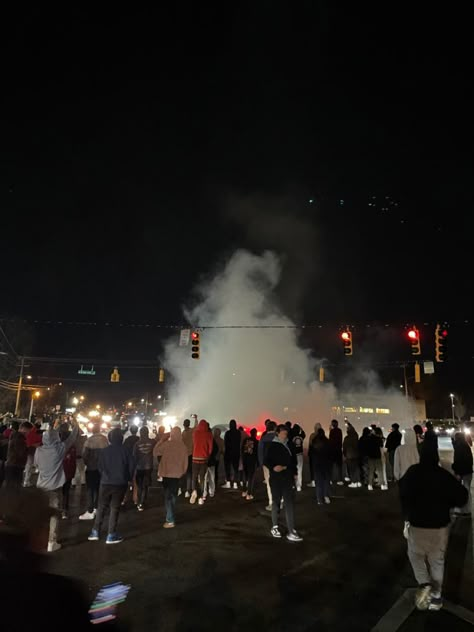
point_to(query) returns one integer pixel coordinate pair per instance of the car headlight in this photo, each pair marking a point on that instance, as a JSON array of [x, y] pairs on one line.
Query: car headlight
[[437, 430], [467, 431], [450, 430]]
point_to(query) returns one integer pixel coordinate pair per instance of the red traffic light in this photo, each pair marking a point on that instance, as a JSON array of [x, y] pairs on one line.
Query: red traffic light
[[345, 335], [444, 333], [413, 334], [194, 335]]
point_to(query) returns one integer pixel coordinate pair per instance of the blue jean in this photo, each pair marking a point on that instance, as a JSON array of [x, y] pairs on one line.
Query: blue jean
[[170, 485], [322, 484]]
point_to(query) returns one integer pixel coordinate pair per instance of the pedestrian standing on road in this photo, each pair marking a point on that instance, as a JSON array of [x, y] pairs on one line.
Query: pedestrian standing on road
[[162, 436], [427, 493], [430, 434], [406, 454], [187, 435], [321, 454], [281, 461], [232, 443], [173, 466], [17, 453], [364, 447], [69, 464], [350, 450], [394, 439], [202, 450], [143, 458], [220, 450], [80, 476], [90, 455], [49, 459], [312, 436], [298, 437], [335, 441], [265, 441], [419, 437], [129, 445], [376, 467], [250, 462], [116, 467], [33, 441], [462, 468], [210, 478]]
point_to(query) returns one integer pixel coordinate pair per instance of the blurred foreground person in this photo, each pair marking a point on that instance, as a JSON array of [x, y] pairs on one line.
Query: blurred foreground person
[[173, 466], [54, 603], [406, 455], [427, 493], [281, 462], [462, 467]]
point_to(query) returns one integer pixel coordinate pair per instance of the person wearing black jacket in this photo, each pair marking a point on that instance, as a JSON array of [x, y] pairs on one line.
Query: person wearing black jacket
[[232, 442], [364, 442], [376, 464], [321, 457], [394, 439], [335, 441], [281, 462], [249, 462], [462, 468], [427, 493]]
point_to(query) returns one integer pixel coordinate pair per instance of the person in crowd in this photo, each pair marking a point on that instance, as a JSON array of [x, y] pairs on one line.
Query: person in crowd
[[265, 441], [129, 445], [419, 437], [116, 467], [298, 437], [250, 463], [335, 441], [243, 435], [462, 468], [430, 434], [220, 451], [90, 455], [427, 493], [406, 454], [210, 478], [379, 434], [364, 448], [25, 516], [143, 458], [350, 450], [321, 455], [49, 459], [288, 425], [17, 453], [376, 467], [162, 436], [232, 444], [202, 450], [281, 462], [33, 441], [69, 465], [394, 439], [187, 434], [312, 436], [80, 475], [173, 466]]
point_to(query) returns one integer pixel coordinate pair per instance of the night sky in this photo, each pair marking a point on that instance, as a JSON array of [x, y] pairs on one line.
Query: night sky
[[141, 148]]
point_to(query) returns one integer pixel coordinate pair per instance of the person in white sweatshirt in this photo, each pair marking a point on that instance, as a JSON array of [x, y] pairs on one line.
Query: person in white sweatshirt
[[406, 454]]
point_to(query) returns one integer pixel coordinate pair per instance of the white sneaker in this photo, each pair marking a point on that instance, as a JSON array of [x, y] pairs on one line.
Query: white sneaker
[[193, 498], [87, 515], [211, 495], [340, 482], [204, 496], [384, 488], [187, 495], [241, 483], [347, 479], [312, 484], [244, 494], [201, 501], [226, 485], [179, 492], [370, 488], [353, 485], [275, 531], [236, 486], [53, 546], [294, 537], [327, 500], [160, 479], [359, 484], [268, 508], [298, 489]]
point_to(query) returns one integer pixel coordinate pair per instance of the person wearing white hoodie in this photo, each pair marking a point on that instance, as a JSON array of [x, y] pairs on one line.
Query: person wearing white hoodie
[[406, 454], [51, 477]]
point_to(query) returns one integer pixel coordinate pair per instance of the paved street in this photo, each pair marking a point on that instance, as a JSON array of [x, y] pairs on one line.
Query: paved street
[[220, 567]]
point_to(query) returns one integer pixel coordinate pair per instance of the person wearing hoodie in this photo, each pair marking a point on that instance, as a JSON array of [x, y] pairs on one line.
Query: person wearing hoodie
[[69, 464], [335, 441], [173, 466], [232, 443], [220, 450], [249, 462], [49, 459], [321, 455], [264, 442], [202, 450], [281, 462], [187, 435], [17, 453], [210, 478], [116, 467], [394, 439], [298, 436], [462, 468], [406, 454], [90, 455], [312, 437], [143, 457], [350, 450], [129, 444], [364, 447], [376, 462], [427, 493], [33, 441]]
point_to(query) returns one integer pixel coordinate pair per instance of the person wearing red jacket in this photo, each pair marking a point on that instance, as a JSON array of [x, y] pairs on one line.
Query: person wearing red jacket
[[202, 450]]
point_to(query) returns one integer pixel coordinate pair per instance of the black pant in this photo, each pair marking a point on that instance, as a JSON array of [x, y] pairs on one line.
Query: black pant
[[199, 473], [92, 484], [13, 475], [187, 480], [281, 484], [110, 496], [250, 467], [143, 479], [66, 490], [231, 461]]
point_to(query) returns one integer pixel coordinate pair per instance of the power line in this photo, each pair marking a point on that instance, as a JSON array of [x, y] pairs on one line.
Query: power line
[[5, 337]]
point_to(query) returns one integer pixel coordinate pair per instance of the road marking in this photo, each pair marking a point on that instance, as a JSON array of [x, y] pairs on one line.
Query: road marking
[[398, 613]]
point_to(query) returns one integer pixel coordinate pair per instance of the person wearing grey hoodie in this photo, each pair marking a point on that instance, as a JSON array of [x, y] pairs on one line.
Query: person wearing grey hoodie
[[49, 459]]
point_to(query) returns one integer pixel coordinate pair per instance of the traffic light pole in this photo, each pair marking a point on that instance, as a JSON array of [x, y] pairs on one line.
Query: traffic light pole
[[20, 384], [406, 380]]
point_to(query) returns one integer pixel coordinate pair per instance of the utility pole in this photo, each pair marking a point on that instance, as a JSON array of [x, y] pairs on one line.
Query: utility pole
[[406, 380], [20, 384]]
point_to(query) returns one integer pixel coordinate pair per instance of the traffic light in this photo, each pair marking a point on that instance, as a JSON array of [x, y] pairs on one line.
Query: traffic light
[[161, 376], [441, 339], [414, 338], [115, 375], [346, 337], [195, 345], [321, 374]]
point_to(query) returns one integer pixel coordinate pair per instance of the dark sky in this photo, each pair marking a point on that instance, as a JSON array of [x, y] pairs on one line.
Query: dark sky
[[135, 143]]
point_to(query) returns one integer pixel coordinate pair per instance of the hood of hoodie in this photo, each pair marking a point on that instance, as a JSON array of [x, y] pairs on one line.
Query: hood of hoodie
[[175, 434], [409, 437], [51, 439], [232, 424], [116, 437], [202, 426]]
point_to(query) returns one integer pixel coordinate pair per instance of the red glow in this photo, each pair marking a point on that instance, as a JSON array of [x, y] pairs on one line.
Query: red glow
[[413, 334], [444, 333], [194, 335], [345, 335]]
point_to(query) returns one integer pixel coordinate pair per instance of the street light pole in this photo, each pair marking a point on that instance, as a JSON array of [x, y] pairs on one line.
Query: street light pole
[[20, 384], [451, 395]]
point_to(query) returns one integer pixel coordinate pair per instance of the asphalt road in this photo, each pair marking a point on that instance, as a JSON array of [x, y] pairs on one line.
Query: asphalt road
[[220, 569]]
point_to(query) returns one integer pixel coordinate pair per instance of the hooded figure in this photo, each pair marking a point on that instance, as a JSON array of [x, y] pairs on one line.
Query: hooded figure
[[202, 450], [232, 442], [406, 455], [49, 459], [173, 465]]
